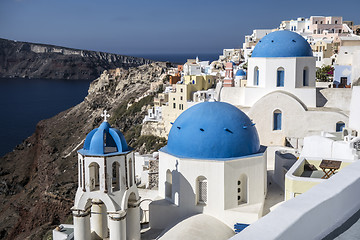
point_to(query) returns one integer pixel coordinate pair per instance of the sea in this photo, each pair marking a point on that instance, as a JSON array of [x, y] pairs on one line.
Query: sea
[[24, 102]]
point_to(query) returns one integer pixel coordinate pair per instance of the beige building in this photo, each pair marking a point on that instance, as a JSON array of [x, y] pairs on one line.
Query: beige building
[[323, 46]]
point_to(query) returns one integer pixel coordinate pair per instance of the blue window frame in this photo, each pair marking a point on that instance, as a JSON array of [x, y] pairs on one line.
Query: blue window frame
[[340, 126], [280, 77], [277, 120]]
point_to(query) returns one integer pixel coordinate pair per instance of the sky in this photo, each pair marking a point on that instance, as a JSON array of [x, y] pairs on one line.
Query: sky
[[155, 26]]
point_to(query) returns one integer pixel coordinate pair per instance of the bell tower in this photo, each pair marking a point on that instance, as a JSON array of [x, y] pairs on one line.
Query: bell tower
[[107, 200]]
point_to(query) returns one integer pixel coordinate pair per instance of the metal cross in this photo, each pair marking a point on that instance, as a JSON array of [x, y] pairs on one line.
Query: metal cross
[[105, 115]]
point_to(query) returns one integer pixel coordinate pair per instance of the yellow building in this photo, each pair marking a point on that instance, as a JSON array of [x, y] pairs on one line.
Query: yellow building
[[305, 174], [326, 47], [181, 96]]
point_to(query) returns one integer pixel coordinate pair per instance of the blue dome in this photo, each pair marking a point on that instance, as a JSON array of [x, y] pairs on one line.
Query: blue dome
[[282, 44], [212, 130], [103, 141], [240, 72]]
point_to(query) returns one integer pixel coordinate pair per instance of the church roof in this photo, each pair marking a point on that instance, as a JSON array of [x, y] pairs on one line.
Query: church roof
[[211, 130], [282, 44], [240, 72], [104, 141]]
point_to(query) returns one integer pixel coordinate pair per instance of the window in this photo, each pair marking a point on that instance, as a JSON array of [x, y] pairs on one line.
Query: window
[[335, 21], [181, 98], [305, 77], [321, 22], [202, 190], [242, 189], [256, 76], [94, 176], [131, 175], [340, 126], [168, 184], [115, 183], [80, 174], [277, 120], [280, 77], [316, 22], [181, 90], [174, 105]]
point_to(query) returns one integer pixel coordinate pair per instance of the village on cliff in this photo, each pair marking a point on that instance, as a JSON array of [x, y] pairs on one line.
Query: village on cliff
[[263, 143]]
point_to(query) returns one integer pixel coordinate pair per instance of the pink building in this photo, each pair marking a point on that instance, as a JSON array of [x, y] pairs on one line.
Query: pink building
[[229, 75], [328, 26]]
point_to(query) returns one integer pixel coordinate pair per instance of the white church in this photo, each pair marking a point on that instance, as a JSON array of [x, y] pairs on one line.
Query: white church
[[280, 94], [106, 188], [213, 168]]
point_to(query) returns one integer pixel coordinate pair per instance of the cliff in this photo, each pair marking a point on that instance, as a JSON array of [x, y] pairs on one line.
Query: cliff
[[31, 60], [38, 179]]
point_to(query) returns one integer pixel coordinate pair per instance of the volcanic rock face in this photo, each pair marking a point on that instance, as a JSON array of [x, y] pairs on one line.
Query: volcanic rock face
[[38, 179], [22, 59]]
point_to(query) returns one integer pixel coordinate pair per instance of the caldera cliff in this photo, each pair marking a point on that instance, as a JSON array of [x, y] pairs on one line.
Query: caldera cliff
[[33, 60]]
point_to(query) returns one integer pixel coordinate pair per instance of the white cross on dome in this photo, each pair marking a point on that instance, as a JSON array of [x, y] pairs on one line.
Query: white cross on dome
[[105, 115]]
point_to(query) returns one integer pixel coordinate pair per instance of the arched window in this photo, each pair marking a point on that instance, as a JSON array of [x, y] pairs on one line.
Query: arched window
[[201, 190], [280, 77], [256, 76], [80, 174], [115, 183], [131, 175], [94, 176], [340, 126], [277, 120], [168, 184], [242, 185], [305, 77]]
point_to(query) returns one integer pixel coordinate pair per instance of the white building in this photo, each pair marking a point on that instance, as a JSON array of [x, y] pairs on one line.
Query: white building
[[347, 64], [280, 93], [154, 115], [233, 55], [142, 164], [195, 67], [107, 200], [204, 95], [252, 40], [213, 164], [334, 199]]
